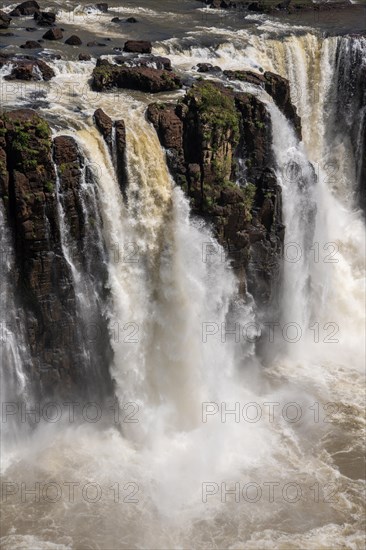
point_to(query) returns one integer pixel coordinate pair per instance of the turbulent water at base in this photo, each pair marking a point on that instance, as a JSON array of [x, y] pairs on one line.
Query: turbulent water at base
[[160, 295]]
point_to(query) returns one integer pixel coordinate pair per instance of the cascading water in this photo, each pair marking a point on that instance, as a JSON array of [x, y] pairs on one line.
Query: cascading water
[[14, 355], [160, 296]]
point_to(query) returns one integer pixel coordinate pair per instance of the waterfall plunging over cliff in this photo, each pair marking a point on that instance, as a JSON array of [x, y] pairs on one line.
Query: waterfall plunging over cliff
[[179, 341]]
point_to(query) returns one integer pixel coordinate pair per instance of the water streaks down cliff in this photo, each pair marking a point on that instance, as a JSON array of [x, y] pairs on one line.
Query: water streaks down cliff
[[164, 317]]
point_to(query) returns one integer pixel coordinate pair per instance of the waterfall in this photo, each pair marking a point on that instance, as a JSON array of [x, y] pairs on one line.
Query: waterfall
[[297, 178], [15, 357], [182, 338]]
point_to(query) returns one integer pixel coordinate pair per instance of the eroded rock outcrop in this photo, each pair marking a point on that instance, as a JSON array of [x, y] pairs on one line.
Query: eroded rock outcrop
[[146, 79], [25, 8], [117, 149], [277, 87], [28, 68], [43, 280], [137, 46], [219, 150], [45, 18]]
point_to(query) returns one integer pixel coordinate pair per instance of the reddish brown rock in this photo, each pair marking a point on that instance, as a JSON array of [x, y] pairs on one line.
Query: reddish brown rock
[[104, 124], [107, 76], [53, 34], [73, 41], [31, 45], [29, 69], [137, 46], [206, 137]]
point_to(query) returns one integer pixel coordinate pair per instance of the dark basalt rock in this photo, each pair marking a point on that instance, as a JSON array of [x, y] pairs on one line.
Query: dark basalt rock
[[45, 18], [43, 280], [207, 68], [53, 34], [73, 41], [120, 128], [277, 87], [5, 20], [206, 136], [31, 45], [84, 57], [131, 20], [25, 8], [116, 20], [104, 124], [137, 46], [31, 29], [103, 6], [107, 76], [29, 69]]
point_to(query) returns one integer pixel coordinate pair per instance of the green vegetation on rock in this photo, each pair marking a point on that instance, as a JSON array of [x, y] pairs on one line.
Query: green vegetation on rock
[[216, 107]]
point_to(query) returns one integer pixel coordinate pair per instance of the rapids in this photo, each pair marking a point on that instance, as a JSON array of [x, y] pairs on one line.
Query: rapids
[[200, 412]]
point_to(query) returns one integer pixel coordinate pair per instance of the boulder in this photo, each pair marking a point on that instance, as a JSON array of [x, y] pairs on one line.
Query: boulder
[[84, 57], [25, 8], [116, 20], [31, 45], [45, 18], [73, 41], [30, 69], [4, 20], [207, 68], [53, 34], [107, 76], [137, 46], [131, 20], [103, 7]]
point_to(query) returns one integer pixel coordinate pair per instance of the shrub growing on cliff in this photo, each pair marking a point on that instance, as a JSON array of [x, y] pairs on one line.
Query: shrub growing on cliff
[[249, 193], [216, 108]]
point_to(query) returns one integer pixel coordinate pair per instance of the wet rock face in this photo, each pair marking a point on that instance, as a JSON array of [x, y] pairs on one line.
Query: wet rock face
[[219, 151], [105, 125], [43, 281], [5, 20], [31, 45], [32, 210], [25, 8], [45, 18], [146, 79], [277, 87], [53, 34], [118, 149], [28, 69], [73, 41], [137, 46]]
